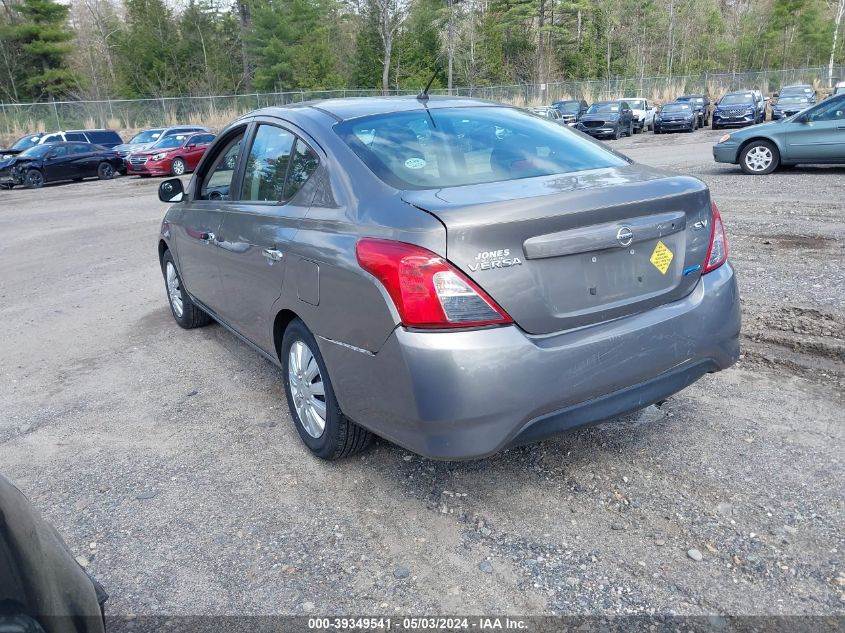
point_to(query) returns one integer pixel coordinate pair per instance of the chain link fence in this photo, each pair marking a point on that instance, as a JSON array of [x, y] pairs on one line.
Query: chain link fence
[[216, 111]]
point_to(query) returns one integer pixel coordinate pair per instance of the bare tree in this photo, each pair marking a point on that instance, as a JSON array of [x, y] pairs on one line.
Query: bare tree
[[836, 24], [390, 16]]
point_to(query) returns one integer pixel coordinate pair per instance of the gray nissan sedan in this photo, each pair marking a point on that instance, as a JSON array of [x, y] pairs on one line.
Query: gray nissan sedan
[[453, 275]]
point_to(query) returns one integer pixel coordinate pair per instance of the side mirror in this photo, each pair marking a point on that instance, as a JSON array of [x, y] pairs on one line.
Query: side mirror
[[171, 191], [190, 146], [803, 119], [775, 95]]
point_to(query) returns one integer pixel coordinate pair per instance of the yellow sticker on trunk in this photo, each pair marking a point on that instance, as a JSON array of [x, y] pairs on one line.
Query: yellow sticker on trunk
[[661, 257]]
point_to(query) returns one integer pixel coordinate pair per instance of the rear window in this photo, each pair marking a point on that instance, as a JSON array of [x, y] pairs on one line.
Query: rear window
[[430, 149]]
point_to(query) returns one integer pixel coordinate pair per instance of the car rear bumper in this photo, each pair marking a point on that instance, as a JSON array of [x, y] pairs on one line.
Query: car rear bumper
[[469, 394]]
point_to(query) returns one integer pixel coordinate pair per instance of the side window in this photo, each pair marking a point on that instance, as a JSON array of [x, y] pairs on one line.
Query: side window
[[80, 148], [217, 180], [203, 139], [303, 164], [267, 164], [52, 138], [58, 151], [831, 112], [76, 136]]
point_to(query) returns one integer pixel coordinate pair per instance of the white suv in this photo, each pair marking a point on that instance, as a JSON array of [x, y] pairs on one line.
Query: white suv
[[643, 112]]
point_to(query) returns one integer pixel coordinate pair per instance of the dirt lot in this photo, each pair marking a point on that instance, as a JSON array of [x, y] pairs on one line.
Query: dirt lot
[[168, 460]]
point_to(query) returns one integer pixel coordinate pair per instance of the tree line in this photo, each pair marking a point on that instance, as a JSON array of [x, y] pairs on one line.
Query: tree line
[[95, 49]]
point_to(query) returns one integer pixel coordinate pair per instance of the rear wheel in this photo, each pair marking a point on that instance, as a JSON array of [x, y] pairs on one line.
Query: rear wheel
[[34, 179], [315, 412], [105, 171], [178, 167], [759, 157], [185, 311]]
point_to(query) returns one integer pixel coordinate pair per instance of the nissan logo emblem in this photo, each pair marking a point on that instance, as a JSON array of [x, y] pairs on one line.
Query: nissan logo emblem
[[624, 236]]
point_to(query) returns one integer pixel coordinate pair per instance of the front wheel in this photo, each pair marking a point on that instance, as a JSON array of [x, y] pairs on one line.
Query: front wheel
[[617, 133], [105, 171], [759, 157], [34, 179], [630, 129], [178, 167], [713, 126], [316, 415], [185, 311]]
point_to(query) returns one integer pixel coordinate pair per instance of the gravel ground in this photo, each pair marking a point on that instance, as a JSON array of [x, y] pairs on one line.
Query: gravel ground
[[169, 462]]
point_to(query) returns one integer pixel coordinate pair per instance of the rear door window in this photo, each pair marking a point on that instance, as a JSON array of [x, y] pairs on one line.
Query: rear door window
[[76, 136], [100, 137], [448, 147], [267, 164]]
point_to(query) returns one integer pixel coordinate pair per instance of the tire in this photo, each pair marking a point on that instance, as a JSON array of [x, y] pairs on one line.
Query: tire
[[7, 185], [333, 436], [185, 312], [617, 133], [713, 126], [178, 167], [630, 129], [105, 171], [34, 179], [759, 158], [638, 129]]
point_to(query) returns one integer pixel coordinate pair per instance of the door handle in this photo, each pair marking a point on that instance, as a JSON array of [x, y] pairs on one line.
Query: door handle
[[273, 254]]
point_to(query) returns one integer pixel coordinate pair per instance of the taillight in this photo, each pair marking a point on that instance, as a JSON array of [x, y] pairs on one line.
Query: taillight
[[427, 290], [717, 253]]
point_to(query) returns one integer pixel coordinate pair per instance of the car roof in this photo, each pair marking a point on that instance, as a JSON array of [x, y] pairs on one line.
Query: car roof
[[797, 86], [355, 107]]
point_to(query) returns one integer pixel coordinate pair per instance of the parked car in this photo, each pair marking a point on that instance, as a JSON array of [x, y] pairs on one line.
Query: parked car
[[789, 105], [643, 113], [571, 110], [815, 135], [798, 90], [839, 88], [55, 162], [701, 105], [607, 118], [42, 587], [453, 297], [170, 156], [105, 138], [677, 116], [737, 109], [145, 139], [547, 112]]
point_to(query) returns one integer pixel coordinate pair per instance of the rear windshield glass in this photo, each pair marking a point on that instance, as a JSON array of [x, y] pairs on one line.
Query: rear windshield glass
[[170, 141], [450, 147]]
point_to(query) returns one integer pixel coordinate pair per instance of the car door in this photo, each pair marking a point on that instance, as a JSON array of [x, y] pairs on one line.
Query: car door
[[261, 226], [194, 231], [59, 163], [85, 159], [195, 148], [819, 134]]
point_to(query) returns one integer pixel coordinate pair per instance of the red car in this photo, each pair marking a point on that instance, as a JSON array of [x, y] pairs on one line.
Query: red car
[[170, 156]]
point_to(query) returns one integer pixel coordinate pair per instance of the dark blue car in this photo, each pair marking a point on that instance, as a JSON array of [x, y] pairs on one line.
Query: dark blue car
[[738, 109]]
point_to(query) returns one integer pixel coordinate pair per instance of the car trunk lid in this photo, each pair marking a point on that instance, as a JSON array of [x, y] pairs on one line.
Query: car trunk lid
[[565, 251]]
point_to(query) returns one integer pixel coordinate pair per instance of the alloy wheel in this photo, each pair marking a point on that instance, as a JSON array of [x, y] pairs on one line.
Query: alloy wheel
[[307, 389], [759, 158], [174, 291], [178, 167]]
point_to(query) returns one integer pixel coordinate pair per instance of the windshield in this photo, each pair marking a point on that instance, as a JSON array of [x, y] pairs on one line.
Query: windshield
[[603, 107], [737, 99], [792, 100], [171, 141], [676, 107], [796, 90], [36, 151], [450, 147], [25, 143], [572, 106], [636, 104], [147, 136]]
